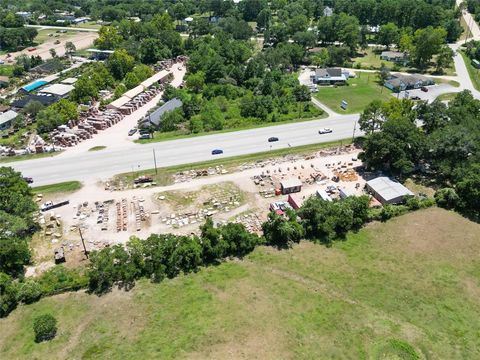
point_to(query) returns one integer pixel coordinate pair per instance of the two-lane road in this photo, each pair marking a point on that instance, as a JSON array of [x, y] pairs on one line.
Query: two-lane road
[[94, 166]]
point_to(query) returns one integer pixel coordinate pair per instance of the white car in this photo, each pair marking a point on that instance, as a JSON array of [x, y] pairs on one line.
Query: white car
[[325, 131]]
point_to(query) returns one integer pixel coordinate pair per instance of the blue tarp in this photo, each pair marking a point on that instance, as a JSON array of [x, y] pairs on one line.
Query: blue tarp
[[34, 85]]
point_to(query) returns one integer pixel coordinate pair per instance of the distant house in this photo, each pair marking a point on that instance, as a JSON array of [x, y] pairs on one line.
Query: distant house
[[395, 56], [4, 81], [327, 11], [81, 20], [6, 119], [329, 76], [155, 118], [97, 54], [388, 191], [401, 82]]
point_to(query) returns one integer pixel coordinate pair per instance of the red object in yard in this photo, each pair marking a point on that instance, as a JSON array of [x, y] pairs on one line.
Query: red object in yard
[[278, 192], [32, 49], [424, 89]]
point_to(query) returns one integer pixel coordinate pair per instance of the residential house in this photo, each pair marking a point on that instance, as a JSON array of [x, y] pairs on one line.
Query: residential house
[[327, 11], [6, 119], [395, 56], [329, 76], [400, 82]]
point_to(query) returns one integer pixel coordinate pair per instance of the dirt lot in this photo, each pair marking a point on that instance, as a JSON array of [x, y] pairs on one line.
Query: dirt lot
[[107, 217], [81, 40]]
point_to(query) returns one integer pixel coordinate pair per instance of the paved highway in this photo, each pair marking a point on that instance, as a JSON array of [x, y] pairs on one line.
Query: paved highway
[[94, 166]]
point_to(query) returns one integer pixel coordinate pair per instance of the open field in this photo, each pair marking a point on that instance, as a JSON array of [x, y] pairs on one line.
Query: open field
[[359, 92], [43, 35], [407, 289], [474, 73]]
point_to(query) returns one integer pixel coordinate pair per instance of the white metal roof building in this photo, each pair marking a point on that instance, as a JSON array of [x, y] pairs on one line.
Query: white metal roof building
[[388, 191], [290, 186], [69, 81], [61, 90], [6, 119]]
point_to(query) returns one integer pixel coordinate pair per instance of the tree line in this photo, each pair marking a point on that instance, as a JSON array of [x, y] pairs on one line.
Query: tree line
[[445, 149]]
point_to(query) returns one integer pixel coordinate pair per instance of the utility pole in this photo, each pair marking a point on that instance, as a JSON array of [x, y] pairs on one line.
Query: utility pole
[[155, 161], [354, 128], [83, 242]]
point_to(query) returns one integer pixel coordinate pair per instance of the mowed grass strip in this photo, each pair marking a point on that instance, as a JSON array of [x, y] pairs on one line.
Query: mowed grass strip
[[359, 92], [472, 72], [62, 187], [405, 289]]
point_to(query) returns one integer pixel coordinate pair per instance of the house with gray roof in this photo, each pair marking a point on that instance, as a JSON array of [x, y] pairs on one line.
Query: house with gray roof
[[6, 119], [395, 56], [155, 118], [400, 82], [329, 76]]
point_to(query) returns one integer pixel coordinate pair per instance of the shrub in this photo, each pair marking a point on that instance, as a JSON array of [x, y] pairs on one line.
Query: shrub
[[29, 292], [60, 279], [8, 294], [447, 198], [44, 327]]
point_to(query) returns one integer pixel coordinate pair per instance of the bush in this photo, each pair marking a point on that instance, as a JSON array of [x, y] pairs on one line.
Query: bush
[[44, 327], [8, 294], [60, 279], [447, 198], [413, 203], [29, 292]]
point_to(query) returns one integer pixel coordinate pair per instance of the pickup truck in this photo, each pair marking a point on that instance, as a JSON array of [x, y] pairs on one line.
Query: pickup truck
[[49, 205]]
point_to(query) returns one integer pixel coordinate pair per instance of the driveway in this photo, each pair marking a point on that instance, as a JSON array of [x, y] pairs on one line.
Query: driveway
[[433, 92]]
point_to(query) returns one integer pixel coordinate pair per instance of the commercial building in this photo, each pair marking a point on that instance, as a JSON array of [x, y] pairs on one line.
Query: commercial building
[[45, 100], [37, 84], [59, 90], [290, 186], [388, 191], [329, 76]]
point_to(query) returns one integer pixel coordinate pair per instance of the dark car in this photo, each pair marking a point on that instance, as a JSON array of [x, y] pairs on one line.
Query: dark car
[[272, 139], [132, 131], [424, 89], [217, 152], [415, 97], [29, 180]]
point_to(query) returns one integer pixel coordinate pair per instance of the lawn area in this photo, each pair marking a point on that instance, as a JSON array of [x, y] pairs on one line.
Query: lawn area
[[43, 35], [234, 122], [359, 92], [371, 60], [407, 289], [447, 97], [164, 175], [6, 70], [474, 73], [88, 25], [63, 187]]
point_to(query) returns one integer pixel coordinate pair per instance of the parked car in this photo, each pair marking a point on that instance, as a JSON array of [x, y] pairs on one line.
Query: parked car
[[2, 62], [415, 97], [144, 136], [31, 49], [29, 180], [325, 131], [272, 139], [424, 89], [132, 131], [217, 152]]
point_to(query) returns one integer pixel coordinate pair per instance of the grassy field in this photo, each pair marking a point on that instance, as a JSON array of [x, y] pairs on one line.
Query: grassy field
[[358, 94], [447, 97], [234, 122], [474, 73], [6, 70], [43, 35], [63, 187], [407, 289], [165, 175]]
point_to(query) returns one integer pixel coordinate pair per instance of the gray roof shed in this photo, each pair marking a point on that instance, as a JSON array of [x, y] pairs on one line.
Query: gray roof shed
[[388, 191]]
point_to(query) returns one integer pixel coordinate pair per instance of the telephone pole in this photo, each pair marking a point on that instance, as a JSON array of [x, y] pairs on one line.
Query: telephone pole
[[155, 161], [83, 241]]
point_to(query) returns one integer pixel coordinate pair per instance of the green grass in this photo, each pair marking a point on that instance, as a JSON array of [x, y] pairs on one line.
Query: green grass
[[447, 97], [407, 289], [234, 122], [474, 73], [165, 175], [63, 187], [371, 60], [359, 92], [9, 159], [6, 70], [97, 148]]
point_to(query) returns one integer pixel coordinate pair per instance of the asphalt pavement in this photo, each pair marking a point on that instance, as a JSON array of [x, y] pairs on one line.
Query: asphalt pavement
[[100, 165]]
